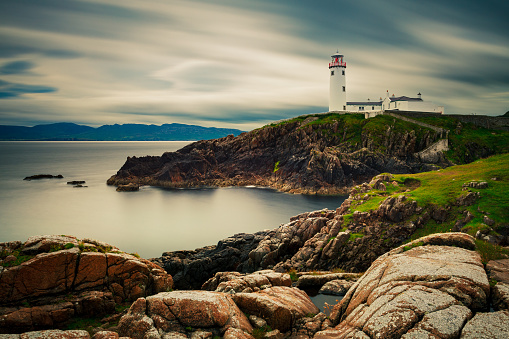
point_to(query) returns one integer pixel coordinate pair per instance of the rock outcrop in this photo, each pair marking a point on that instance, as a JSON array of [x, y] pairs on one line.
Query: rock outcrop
[[54, 278], [191, 269], [498, 272], [336, 287], [44, 176], [234, 282], [319, 154], [50, 334], [280, 306], [177, 312], [425, 289]]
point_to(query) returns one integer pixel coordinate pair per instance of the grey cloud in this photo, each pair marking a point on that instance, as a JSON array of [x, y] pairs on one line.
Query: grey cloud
[[139, 61], [12, 90], [72, 17], [13, 47], [16, 67]]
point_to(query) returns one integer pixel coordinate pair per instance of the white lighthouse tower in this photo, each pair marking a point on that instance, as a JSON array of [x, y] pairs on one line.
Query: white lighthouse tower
[[337, 88]]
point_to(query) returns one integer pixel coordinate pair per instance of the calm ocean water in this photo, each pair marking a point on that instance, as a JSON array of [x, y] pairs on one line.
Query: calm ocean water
[[151, 221]]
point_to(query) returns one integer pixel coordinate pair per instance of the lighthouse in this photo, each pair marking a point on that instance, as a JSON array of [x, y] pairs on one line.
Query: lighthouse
[[337, 88]]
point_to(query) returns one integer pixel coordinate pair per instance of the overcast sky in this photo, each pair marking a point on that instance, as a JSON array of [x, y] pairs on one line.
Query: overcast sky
[[243, 63]]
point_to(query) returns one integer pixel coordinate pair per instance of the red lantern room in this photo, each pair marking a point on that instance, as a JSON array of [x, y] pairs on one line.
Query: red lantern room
[[337, 61]]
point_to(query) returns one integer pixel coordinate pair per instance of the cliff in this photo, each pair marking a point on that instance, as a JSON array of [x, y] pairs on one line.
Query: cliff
[[323, 153]]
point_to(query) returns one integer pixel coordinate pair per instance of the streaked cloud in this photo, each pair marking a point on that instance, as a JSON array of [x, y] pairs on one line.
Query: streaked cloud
[[243, 63], [11, 90]]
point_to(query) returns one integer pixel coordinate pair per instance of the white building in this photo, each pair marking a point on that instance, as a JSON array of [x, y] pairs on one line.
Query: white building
[[337, 87], [337, 96], [393, 103]]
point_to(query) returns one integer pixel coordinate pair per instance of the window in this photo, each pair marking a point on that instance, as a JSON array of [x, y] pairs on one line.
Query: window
[[361, 108], [344, 108], [372, 108], [343, 72], [331, 73], [344, 89]]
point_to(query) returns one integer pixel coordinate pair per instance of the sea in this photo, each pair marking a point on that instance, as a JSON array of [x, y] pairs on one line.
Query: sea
[[148, 222]]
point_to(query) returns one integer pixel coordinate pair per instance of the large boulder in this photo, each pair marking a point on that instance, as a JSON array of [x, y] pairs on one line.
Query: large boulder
[[316, 281], [280, 306], [63, 277], [49, 334], [422, 289], [234, 282], [498, 271], [182, 312], [487, 326], [336, 287]]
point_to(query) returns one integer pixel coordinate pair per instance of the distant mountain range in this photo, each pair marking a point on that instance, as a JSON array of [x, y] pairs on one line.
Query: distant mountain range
[[125, 132]]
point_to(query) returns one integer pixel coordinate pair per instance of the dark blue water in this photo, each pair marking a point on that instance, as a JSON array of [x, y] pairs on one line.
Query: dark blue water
[[148, 222]]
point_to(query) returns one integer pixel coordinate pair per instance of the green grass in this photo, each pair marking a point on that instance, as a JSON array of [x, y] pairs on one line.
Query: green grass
[[293, 275], [414, 245], [259, 333], [20, 258], [276, 167], [354, 236], [443, 187], [83, 323], [490, 252]]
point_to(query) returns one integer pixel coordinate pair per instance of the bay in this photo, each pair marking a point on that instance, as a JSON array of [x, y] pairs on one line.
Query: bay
[[148, 222]]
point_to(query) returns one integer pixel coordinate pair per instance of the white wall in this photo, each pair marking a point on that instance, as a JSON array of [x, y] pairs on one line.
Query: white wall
[[337, 97], [424, 106], [366, 108]]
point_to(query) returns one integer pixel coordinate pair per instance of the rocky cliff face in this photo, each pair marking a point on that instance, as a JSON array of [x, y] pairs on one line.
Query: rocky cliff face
[[317, 154]]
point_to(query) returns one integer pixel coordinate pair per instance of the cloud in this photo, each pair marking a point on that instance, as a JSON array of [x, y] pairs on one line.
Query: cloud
[[11, 90], [243, 62], [16, 67]]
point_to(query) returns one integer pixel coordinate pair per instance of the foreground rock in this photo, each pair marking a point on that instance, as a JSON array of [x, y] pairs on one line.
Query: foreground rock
[[177, 312], [50, 334], [487, 325], [280, 306], [318, 280], [191, 269], [234, 282], [430, 290], [55, 278], [336, 287], [498, 271]]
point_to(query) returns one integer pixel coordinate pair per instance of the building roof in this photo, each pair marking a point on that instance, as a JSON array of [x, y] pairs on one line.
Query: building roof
[[365, 103], [404, 98]]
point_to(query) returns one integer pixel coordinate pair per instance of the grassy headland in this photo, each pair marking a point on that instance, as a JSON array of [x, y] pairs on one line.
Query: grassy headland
[[442, 189]]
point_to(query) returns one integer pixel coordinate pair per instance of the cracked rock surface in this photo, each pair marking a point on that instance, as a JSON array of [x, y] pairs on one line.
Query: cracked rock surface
[[426, 291]]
